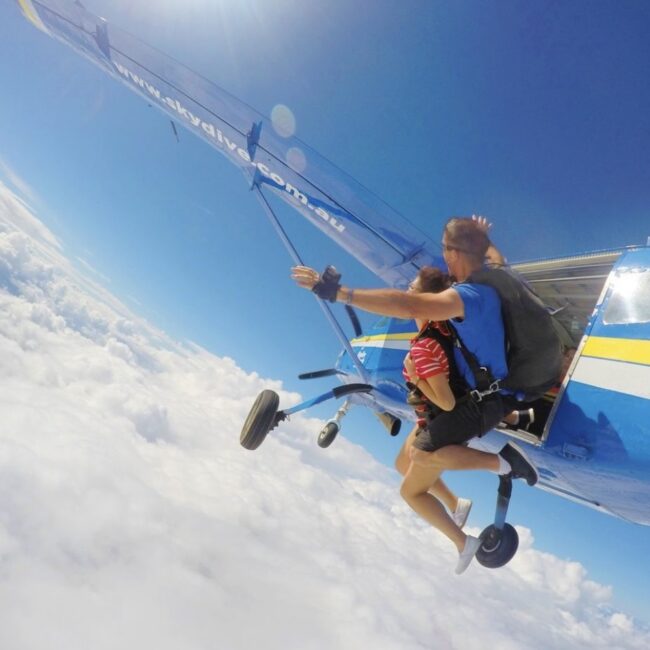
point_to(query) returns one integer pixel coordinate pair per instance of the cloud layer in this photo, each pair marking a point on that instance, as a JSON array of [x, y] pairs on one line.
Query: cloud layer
[[130, 517]]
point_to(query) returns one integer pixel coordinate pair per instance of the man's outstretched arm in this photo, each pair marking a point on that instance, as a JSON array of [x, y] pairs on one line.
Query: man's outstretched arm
[[390, 302]]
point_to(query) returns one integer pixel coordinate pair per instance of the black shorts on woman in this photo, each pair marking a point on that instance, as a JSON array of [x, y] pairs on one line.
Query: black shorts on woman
[[468, 419]]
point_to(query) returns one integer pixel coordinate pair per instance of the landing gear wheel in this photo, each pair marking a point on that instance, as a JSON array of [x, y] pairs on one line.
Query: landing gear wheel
[[260, 420], [327, 434], [498, 547]]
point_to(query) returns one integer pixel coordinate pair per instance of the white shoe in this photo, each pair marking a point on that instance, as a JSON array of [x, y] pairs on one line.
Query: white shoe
[[526, 418], [472, 544], [461, 513]]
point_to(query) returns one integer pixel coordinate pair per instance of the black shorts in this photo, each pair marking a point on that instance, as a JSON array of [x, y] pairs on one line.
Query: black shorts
[[467, 420]]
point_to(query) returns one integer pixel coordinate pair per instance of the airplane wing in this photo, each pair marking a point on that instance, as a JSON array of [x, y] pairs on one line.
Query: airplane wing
[[357, 220]]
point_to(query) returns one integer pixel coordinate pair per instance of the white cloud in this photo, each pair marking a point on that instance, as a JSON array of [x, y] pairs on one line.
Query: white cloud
[[130, 517], [17, 182]]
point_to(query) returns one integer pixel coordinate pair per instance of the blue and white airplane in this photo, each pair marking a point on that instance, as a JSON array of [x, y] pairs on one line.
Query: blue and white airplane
[[593, 445]]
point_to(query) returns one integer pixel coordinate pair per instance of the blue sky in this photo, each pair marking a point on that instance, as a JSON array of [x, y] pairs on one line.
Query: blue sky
[[535, 114]]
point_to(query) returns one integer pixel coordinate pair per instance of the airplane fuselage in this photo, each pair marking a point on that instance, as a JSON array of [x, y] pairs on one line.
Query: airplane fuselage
[[594, 447]]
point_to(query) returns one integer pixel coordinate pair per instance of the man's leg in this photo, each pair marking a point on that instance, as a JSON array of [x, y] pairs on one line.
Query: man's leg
[[456, 457], [446, 434], [510, 460]]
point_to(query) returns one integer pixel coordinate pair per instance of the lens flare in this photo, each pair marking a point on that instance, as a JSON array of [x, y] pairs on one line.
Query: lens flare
[[283, 120], [296, 160]]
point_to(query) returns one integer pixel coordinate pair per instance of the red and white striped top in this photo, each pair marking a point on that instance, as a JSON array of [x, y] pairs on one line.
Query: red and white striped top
[[429, 359]]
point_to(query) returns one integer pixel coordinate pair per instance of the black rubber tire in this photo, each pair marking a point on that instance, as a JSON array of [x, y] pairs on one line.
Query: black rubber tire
[[498, 547], [328, 434], [260, 420]]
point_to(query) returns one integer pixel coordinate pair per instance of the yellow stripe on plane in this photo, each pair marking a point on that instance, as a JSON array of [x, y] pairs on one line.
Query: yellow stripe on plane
[[631, 350], [383, 337], [32, 15]]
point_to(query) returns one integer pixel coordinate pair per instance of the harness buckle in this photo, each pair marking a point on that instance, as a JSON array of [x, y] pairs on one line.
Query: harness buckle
[[478, 395], [495, 386]]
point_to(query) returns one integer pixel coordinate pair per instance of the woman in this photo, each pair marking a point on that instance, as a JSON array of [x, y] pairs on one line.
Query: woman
[[427, 369]]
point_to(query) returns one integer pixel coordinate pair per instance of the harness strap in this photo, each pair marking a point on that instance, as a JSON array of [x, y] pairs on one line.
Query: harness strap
[[457, 383], [486, 384]]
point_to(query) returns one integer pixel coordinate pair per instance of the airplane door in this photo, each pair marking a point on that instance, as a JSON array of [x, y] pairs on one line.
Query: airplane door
[[602, 414]]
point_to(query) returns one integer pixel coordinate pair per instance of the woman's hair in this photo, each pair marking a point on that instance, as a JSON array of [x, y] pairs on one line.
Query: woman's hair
[[464, 235], [433, 280]]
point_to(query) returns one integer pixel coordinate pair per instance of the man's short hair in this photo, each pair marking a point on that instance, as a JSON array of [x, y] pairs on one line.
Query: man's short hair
[[464, 235]]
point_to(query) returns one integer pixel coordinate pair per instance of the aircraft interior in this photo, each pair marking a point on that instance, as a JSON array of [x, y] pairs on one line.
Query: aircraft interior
[[571, 287]]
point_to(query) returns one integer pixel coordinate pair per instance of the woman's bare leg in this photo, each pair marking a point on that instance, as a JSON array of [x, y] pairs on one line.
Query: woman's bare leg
[[439, 489], [415, 491], [403, 459]]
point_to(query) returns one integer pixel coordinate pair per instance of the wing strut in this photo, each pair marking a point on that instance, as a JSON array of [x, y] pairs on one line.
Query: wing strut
[[101, 36], [297, 260]]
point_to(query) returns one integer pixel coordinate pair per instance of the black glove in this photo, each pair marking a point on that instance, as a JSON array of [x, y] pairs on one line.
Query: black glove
[[328, 285]]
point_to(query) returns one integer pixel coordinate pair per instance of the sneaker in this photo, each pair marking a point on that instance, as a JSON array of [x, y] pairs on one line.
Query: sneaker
[[472, 544], [521, 466], [461, 513], [526, 418]]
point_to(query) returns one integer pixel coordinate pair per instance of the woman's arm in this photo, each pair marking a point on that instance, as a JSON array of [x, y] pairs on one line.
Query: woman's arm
[[436, 389]]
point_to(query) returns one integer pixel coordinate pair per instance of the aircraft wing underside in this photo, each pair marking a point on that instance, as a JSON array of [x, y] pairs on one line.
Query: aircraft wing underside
[[370, 230], [357, 220]]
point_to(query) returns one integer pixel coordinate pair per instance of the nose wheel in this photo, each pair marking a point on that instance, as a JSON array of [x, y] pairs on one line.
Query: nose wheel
[[328, 434], [500, 540], [332, 427]]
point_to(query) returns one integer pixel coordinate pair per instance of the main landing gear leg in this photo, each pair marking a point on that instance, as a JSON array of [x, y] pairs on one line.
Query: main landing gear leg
[[264, 415], [500, 540]]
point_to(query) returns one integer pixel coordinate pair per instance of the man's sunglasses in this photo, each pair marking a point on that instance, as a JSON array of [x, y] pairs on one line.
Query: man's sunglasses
[[447, 247]]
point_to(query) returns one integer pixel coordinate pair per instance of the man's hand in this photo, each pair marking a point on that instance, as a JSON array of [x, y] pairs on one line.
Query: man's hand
[[482, 223]]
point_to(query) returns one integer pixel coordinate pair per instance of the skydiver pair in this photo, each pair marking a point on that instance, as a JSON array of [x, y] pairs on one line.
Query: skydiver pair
[[474, 310]]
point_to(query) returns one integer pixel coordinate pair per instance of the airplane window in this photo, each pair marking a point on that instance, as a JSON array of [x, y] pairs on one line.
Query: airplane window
[[383, 322], [630, 298]]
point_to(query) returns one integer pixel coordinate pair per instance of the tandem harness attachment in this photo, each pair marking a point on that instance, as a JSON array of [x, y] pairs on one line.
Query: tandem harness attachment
[[478, 395], [486, 384]]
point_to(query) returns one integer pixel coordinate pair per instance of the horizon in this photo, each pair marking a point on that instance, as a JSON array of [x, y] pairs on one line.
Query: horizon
[[166, 226]]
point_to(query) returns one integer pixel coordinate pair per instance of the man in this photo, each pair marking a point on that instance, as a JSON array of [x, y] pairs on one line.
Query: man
[[474, 310]]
